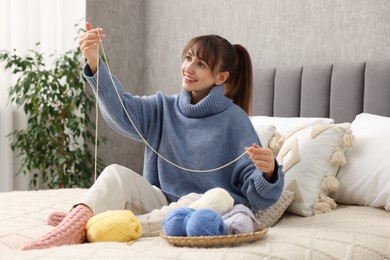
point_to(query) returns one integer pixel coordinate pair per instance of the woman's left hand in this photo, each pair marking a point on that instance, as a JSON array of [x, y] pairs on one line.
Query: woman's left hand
[[263, 159]]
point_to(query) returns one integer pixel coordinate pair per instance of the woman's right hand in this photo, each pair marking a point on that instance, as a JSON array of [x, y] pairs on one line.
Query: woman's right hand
[[263, 159], [89, 44]]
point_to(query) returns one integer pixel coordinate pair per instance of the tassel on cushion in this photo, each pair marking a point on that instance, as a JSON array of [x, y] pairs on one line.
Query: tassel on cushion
[[324, 205], [276, 142], [328, 200], [348, 139], [330, 184], [321, 207], [338, 158]]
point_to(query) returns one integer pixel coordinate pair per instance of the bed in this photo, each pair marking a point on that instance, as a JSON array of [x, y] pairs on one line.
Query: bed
[[339, 213]]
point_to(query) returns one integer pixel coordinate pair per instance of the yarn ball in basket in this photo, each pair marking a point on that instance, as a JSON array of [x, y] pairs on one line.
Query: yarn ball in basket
[[113, 226], [216, 199], [205, 222], [174, 223], [240, 220]]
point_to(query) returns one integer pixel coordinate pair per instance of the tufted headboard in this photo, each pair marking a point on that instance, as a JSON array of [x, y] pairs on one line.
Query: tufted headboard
[[339, 91]]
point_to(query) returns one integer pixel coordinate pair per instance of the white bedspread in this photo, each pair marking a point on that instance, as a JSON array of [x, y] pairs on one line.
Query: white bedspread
[[349, 232]]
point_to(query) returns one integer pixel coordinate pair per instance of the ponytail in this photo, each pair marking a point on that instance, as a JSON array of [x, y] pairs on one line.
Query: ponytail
[[239, 86]]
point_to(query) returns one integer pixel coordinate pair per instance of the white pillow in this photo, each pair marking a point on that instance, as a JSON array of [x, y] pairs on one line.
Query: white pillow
[[311, 157], [285, 124], [366, 178]]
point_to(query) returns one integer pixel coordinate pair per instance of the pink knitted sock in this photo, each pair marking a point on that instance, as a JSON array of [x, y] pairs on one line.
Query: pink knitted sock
[[70, 231], [56, 217]]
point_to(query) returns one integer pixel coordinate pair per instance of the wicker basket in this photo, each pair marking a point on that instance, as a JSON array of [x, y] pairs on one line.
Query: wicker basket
[[215, 241]]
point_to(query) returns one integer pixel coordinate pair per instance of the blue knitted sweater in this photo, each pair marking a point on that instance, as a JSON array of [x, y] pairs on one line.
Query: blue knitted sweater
[[203, 136]]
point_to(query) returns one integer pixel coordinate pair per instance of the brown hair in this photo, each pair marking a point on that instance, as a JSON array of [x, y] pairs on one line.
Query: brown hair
[[220, 55]]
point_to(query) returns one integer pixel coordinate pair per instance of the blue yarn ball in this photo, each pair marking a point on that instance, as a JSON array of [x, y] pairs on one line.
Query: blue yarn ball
[[205, 222], [175, 221]]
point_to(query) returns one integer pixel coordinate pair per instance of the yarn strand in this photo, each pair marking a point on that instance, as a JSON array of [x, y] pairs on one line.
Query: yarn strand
[[96, 130], [139, 133]]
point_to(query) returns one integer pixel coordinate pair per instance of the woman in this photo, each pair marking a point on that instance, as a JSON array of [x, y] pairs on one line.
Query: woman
[[203, 127]]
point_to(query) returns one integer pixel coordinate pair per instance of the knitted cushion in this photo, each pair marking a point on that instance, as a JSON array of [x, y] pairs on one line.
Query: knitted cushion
[[271, 215]]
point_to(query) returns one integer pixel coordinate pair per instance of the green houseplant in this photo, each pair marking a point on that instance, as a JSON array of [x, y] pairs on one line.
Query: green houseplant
[[55, 146]]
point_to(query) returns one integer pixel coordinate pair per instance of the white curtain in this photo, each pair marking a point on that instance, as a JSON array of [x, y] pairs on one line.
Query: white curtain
[[23, 23]]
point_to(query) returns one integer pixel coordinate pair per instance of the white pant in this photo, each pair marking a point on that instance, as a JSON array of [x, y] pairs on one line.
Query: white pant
[[119, 188]]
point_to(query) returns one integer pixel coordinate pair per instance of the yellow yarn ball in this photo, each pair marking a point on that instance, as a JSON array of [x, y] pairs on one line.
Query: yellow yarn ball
[[113, 226]]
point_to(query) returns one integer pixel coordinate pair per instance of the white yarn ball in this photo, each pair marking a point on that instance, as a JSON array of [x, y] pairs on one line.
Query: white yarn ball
[[216, 199]]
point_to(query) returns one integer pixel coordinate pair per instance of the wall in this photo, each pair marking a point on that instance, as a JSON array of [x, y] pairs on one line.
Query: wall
[[145, 39], [124, 25]]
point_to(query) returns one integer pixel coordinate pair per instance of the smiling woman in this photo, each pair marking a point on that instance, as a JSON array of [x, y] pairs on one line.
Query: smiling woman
[[23, 24]]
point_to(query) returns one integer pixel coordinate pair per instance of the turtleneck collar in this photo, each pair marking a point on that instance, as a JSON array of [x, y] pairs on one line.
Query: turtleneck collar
[[214, 103]]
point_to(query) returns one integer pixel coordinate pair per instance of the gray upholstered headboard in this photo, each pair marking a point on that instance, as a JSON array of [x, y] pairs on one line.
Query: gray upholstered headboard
[[339, 91]]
